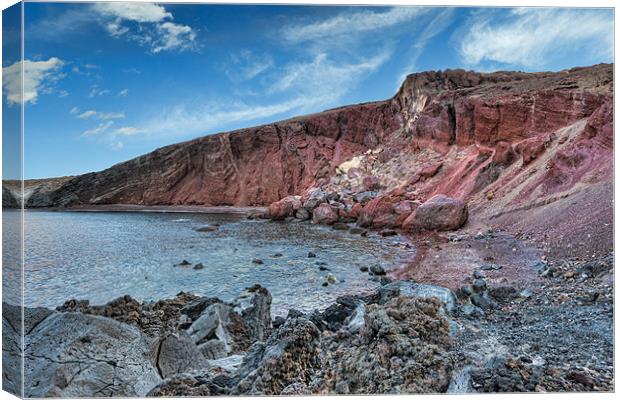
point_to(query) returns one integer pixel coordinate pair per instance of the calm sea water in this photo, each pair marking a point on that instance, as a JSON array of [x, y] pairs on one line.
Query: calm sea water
[[102, 255]]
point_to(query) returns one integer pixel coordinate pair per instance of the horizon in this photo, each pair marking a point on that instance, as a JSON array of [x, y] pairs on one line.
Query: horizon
[[91, 107]]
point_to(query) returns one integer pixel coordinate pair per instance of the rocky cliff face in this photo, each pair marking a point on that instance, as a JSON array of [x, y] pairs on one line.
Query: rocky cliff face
[[514, 137]]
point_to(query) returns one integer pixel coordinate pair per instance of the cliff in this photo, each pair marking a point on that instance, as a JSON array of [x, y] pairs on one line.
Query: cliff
[[512, 137]]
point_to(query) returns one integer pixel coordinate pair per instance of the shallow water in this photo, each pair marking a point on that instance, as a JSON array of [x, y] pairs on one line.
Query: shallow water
[[102, 255]]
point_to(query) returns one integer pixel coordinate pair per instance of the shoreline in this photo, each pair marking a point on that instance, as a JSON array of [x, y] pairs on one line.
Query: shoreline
[[156, 209]]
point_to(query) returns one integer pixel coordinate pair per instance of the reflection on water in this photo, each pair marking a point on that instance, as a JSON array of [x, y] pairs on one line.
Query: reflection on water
[[102, 255]]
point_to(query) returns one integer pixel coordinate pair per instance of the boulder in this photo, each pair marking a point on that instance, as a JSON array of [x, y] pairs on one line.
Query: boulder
[[77, 355], [284, 208], [324, 214], [177, 353], [440, 213]]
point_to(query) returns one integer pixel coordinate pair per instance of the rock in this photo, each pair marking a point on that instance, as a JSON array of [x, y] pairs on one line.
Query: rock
[[182, 385], [377, 270], [257, 261], [440, 213], [371, 183], [311, 255], [213, 324], [116, 355], [445, 296], [302, 214], [290, 355], [254, 306], [183, 263], [315, 197], [199, 266], [358, 231], [213, 349], [331, 279], [479, 285], [177, 353], [481, 300], [581, 377], [323, 268], [277, 255], [478, 275], [388, 232], [285, 207], [470, 310], [324, 284], [490, 267], [364, 197], [207, 228], [324, 214], [340, 226], [364, 268]]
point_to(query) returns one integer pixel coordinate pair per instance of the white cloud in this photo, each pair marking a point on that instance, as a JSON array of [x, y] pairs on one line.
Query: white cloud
[[110, 115], [154, 28], [530, 37], [128, 131], [87, 114], [123, 92], [246, 65], [174, 36], [97, 91], [63, 93], [99, 129], [37, 76], [324, 78], [74, 111], [139, 12], [349, 23]]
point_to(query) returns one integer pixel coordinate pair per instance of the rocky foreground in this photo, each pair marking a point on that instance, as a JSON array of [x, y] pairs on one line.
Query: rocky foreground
[[404, 338]]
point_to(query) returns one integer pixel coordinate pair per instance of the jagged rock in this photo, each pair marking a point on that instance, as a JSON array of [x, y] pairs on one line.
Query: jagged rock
[[445, 296], [77, 355], [254, 306], [290, 355], [440, 213], [302, 214], [324, 214], [183, 385]]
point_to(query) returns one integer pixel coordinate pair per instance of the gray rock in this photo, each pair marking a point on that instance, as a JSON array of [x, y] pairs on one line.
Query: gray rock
[[412, 289], [177, 353], [303, 214], [207, 228], [377, 270], [212, 324], [213, 349], [311, 255], [78, 355], [254, 306], [199, 266], [479, 285], [481, 300]]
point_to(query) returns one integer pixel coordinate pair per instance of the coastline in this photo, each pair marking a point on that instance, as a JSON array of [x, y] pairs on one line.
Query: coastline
[[156, 209]]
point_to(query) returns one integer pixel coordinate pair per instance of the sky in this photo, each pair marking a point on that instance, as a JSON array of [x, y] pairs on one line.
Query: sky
[[105, 82]]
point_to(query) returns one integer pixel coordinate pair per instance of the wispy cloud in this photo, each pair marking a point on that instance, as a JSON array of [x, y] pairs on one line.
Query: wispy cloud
[[533, 37], [39, 76], [99, 129], [96, 91], [128, 131], [246, 65], [148, 24], [87, 114], [104, 116], [350, 23], [123, 92]]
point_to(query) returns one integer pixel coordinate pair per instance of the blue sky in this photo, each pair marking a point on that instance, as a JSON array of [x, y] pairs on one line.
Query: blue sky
[[109, 81]]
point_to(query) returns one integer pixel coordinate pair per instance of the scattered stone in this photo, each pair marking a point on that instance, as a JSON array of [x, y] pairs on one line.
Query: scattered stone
[[208, 228], [257, 261], [358, 231], [340, 226], [377, 270], [199, 266], [277, 255], [331, 279], [322, 268], [311, 255], [324, 214], [364, 268], [324, 284], [478, 275], [490, 267], [479, 285], [388, 232], [183, 263]]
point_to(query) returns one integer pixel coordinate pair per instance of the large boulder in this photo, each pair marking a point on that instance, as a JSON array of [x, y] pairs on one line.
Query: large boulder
[[324, 214], [77, 355], [254, 306], [440, 213], [284, 208]]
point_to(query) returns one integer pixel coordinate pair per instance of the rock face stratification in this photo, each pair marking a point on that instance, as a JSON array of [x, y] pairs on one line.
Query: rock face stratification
[[478, 124]]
